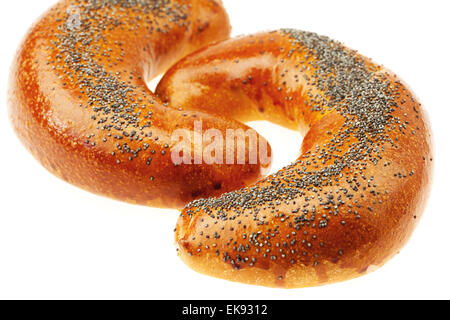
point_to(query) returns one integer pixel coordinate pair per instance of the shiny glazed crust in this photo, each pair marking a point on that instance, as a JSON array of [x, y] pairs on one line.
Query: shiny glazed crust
[[78, 98], [351, 200]]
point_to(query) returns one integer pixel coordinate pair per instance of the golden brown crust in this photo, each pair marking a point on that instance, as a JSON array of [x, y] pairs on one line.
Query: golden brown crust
[[79, 102], [354, 196], [78, 98]]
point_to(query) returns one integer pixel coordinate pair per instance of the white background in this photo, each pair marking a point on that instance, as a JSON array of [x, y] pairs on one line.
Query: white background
[[57, 241]]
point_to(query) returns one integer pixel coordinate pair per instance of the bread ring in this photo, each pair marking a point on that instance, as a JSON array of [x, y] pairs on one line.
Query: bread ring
[[78, 98], [353, 197]]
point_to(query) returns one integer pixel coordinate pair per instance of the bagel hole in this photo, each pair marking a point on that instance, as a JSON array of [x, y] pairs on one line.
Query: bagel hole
[[285, 143], [154, 83]]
